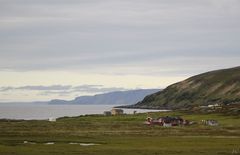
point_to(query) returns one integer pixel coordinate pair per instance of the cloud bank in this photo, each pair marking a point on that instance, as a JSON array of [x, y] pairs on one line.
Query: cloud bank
[[117, 35], [111, 44], [60, 89]]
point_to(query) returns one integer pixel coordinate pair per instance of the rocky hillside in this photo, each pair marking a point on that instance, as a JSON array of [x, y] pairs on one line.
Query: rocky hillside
[[220, 86]]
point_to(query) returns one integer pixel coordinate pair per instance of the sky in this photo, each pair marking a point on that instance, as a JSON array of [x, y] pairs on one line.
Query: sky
[[67, 48]]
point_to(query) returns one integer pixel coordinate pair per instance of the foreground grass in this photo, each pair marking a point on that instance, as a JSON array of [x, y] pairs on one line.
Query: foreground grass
[[121, 135]]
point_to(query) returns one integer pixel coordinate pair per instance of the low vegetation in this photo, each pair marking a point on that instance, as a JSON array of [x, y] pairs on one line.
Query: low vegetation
[[125, 134]]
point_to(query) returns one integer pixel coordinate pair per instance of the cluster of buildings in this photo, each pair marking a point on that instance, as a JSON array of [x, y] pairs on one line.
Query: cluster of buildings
[[167, 121], [211, 106], [114, 111]]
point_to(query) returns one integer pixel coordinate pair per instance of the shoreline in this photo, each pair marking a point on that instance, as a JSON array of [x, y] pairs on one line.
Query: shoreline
[[45, 112]]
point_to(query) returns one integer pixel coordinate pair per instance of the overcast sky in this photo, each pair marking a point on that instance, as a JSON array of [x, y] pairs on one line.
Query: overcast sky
[[110, 45]]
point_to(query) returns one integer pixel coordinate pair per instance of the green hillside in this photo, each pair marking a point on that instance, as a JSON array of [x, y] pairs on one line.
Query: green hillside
[[220, 86]]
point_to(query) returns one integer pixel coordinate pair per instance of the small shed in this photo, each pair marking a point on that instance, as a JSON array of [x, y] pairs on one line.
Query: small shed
[[212, 122], [116, 111], [107, 113]]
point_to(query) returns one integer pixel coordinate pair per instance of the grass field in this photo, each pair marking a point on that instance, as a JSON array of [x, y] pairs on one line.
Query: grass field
[[121, 135]]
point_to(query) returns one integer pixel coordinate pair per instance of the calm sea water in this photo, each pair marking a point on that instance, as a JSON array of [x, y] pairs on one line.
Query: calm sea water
[[29, 111]]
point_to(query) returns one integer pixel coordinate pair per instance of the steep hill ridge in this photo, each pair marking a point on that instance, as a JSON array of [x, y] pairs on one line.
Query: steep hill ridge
[[220, 86]]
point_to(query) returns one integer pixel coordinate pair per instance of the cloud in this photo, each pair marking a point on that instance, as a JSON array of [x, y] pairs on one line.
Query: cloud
[[63, 93], [159, 39], [63, 90], [3, 89], [52, 87], [118, 34], [96, 89]]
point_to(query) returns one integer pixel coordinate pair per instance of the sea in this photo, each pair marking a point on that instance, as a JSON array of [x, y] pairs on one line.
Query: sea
[[31, 111]]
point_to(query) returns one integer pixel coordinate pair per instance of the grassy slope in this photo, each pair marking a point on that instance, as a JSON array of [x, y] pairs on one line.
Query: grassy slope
[[120, 135], [222, 86]]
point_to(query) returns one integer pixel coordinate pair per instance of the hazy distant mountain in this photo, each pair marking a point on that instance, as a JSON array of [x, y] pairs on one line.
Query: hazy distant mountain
[[221, 86], [116, 98]]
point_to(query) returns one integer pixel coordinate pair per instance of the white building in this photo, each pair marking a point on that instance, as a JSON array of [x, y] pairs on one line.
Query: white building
[[51, 119]]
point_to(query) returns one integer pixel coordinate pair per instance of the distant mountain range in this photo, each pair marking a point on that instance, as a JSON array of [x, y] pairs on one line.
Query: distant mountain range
[[115, 98], [220, 86]]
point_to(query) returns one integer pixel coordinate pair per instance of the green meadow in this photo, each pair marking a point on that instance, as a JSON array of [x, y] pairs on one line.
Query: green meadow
[[120, 135]]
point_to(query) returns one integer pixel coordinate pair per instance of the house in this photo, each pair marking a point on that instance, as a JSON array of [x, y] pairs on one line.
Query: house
[[51, 119], [172, 121], [148, 121], [116, 111], [151, 121], [167, 121], [210, 122], [213, 105], [107, 113]]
